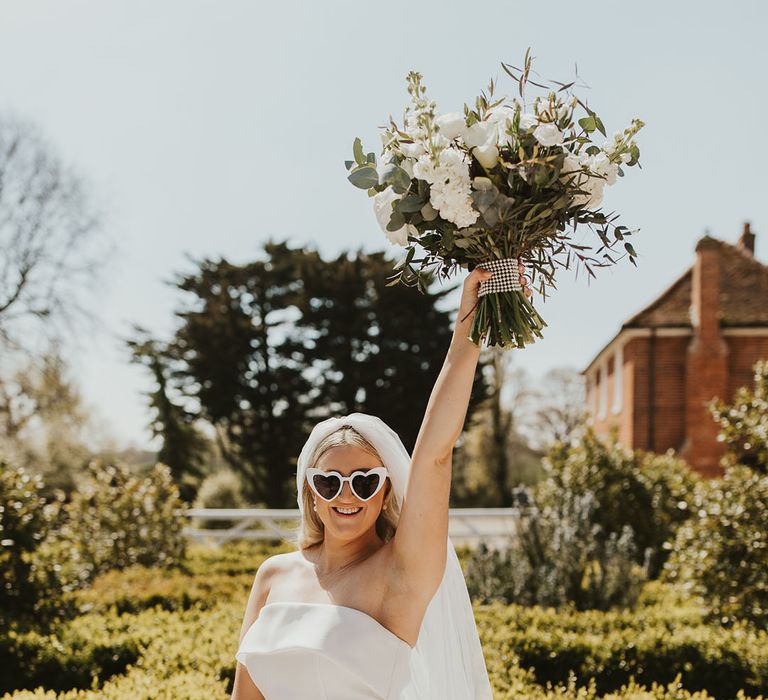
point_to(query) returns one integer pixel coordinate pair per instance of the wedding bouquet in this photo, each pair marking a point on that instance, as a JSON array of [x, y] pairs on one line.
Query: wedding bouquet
[[493, 185]]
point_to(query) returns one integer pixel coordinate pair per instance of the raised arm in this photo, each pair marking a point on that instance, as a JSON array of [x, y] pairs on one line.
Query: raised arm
[[419, 545]]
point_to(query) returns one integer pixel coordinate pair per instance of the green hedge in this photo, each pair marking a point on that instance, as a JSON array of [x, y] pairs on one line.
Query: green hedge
[[187, 650]]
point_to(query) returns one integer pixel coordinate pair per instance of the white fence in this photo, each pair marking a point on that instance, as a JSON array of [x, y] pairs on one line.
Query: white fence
[[466, 526]]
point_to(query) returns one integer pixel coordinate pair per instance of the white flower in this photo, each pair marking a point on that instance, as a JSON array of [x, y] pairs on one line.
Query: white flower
[[439, 141], [548, 134], [602, 165], [450, 185], [479, 133], [384, 161], [626, 157], [382, 208], [501, 115], [487, 155], [413, 150], [450, 125], [527, 120]]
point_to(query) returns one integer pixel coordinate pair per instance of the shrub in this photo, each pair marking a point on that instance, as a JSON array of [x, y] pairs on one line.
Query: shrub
[[558, 557], [116, 520], [220, 490], [27, 592], [744, 423], [721, 554], [650, 493]]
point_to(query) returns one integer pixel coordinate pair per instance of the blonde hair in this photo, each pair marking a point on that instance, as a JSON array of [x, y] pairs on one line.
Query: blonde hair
[[311, 530]]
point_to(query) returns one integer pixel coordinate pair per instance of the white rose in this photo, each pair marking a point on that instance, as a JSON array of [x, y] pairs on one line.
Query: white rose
[[382, 206], [412, 150], [548, 134], [487, 155], [626, 157], [527, 120], [451, 125], [479, 133]]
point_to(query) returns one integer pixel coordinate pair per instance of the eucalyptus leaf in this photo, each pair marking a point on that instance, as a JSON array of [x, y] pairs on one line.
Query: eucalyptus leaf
[[410, 203], [357, 150], [396, 221], [364, 177], [428, 212], [349, 163]]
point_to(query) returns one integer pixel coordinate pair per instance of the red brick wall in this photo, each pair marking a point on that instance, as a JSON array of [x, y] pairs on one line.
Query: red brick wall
[[745, 351], [667, 407], [674, 391]]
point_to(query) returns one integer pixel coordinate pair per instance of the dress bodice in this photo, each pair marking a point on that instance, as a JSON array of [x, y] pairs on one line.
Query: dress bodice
[[323, 651]]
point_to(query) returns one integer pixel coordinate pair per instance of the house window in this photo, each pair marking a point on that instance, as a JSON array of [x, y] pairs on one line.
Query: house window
[[602, 385], [618, 371]]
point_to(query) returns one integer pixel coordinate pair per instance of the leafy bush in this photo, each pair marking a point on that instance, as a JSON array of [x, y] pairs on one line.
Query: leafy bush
[[27, 592], [116, 520], [558, 557], [222, 489], [651, 493], [721, 554], [608, 649], [744, 423]]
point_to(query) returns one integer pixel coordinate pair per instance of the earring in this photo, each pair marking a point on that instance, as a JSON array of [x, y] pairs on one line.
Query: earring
[[385, 507], [314, 506]]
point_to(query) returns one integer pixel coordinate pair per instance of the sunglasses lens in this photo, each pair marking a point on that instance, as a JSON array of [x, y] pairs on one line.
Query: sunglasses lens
[[326, 486], [365, 485]]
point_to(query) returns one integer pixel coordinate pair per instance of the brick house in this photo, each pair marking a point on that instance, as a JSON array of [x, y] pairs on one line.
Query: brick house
[[699, 339]]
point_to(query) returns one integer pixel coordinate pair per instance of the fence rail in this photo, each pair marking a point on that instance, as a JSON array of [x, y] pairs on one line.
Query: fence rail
[[466, 526]]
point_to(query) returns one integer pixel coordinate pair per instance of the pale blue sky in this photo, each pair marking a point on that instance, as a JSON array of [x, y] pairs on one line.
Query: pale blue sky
[[206, 127]]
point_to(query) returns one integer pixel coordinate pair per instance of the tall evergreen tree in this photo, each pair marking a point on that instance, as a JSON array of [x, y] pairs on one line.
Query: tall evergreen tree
[[184, 448], [269, 348]]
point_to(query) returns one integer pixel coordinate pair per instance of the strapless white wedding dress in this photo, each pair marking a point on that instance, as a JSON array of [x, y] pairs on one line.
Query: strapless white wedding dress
[[323, 651]]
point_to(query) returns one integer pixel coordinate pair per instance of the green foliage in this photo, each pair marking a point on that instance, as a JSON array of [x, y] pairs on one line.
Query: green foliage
[[184, 448], [268, 348], [721, 554], [27, 592], [661, 650], [558, 558], [744, 422], [653, 644], [222, 489], [651, 493], [116, 520]]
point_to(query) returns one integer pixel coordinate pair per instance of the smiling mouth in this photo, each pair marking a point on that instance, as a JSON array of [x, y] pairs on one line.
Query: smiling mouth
[[346, 515]]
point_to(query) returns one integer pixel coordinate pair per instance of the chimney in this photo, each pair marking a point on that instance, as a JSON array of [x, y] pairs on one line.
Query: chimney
[[705, 293], [747, 240], [707, 361]]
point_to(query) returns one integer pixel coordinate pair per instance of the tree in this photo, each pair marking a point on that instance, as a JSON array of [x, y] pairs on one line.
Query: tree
[[744, 423], [381, 347], [43, 421], [494, 456], [184, 447], [556, 410], [269, 348], [48, 229]]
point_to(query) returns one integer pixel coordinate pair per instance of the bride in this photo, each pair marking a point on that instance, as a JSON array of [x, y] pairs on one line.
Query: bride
[[373, 604]]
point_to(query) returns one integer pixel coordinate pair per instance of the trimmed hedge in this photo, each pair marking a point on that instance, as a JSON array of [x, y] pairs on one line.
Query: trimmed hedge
[[169, 651]]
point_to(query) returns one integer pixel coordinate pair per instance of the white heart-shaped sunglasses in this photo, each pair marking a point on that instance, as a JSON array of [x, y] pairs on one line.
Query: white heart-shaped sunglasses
[[365, 484]]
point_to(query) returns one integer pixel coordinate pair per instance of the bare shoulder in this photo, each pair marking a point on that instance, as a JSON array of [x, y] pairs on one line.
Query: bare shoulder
[[271, 567]]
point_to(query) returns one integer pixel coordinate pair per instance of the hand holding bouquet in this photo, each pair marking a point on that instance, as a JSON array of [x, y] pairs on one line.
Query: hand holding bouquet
[[492, 185]]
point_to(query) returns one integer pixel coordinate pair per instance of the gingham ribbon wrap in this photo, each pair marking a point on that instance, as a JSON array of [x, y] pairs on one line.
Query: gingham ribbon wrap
[[506, 277]]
